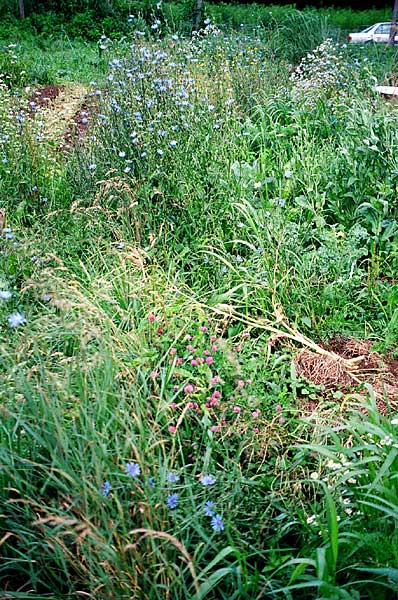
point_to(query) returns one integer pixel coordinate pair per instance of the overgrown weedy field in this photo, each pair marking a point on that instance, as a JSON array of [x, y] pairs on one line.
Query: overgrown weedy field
[[198, 317]]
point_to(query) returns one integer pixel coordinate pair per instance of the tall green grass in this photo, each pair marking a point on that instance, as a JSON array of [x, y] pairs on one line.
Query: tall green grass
[[127, 543]]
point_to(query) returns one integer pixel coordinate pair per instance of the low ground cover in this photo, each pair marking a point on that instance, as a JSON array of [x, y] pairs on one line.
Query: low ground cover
[[167, 255]]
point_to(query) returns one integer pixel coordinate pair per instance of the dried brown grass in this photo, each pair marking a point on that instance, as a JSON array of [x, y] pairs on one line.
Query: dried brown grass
[[330, 371]]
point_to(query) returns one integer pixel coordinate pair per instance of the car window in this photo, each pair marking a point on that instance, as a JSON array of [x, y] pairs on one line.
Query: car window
[[383, 29], [367, 29]]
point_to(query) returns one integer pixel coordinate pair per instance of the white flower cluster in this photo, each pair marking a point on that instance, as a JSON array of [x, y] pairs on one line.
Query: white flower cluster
[[208, 30], [323, 72]]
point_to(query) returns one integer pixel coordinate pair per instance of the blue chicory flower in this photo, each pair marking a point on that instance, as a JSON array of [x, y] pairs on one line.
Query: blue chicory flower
[[172, 501], [208, 480], [16, 319], [106, 488], [217, 524], [209, 512], [133, 469]]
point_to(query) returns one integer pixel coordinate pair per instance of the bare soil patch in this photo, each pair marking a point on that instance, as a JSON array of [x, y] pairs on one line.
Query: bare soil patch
[[64, 110], [43, 96]]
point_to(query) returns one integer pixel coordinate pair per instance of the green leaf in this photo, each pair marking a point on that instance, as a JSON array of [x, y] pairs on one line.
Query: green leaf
[[333, 528], [303, 202], [299, 570], [220, 556]]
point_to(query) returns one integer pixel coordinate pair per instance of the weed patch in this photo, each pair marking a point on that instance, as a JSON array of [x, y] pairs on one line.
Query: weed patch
[[198, 315]]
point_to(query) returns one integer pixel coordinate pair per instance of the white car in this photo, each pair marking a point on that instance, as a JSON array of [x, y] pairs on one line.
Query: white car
[[380, 32]]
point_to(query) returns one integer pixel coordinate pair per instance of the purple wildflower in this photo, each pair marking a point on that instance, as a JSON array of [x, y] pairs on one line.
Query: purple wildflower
[[217, 524], [209, 512], [133, 469], [172, 501], [16, 319], [208, 480], [106, 488]]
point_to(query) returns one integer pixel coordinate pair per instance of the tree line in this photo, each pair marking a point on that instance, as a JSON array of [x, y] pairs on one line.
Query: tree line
[[103, 8]]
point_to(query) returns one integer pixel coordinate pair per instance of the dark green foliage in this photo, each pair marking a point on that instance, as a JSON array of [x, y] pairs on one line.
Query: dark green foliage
[[89, 19]]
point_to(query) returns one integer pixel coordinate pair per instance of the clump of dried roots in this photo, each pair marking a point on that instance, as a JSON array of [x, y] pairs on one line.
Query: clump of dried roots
[[323, 369]]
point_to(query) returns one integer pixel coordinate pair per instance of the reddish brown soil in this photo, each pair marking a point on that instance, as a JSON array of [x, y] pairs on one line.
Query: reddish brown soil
[[80, 123], [393, 365], [44, 95]]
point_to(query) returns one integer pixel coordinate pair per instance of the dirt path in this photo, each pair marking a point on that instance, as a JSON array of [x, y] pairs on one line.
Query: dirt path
[[65, 111]]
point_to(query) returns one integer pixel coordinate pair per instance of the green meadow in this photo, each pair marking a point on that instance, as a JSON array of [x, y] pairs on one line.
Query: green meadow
[[199, 309]]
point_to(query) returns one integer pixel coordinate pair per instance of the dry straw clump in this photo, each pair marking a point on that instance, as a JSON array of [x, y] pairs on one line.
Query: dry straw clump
[[346, 364], [331, 370], [326, 370]]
